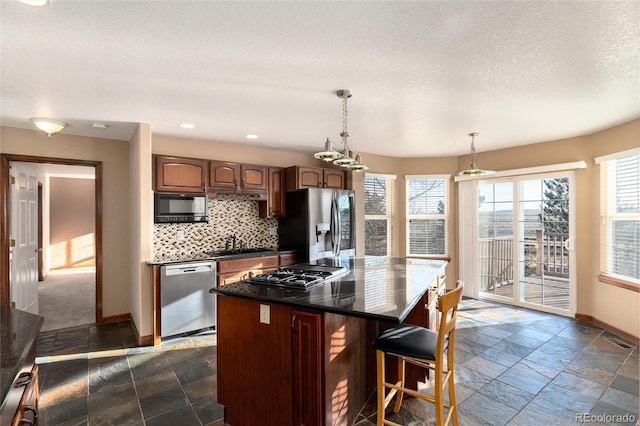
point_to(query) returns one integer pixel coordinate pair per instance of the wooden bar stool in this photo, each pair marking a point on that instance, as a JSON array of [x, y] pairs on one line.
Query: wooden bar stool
[[425, 348]]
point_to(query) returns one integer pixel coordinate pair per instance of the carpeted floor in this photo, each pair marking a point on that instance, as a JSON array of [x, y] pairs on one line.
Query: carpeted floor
[[67, 298]]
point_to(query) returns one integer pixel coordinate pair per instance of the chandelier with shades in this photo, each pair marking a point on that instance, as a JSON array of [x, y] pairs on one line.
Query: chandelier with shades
[[346, 158]]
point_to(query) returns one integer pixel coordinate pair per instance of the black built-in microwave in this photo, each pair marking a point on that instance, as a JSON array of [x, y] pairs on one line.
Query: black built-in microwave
[[180, 208]]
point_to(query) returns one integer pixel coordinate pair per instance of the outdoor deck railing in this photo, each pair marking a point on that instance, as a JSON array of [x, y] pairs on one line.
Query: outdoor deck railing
[[546, 254]]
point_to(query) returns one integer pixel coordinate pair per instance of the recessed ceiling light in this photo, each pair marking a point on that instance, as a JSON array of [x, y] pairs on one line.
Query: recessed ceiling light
[[35, 2], [250, 136], [187, 126]]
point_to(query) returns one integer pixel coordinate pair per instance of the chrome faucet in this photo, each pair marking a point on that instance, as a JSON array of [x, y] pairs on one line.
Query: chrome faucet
[[230, 243]]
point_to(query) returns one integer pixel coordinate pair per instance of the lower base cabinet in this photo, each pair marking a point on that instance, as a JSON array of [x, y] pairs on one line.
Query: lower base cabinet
[[291, 367], [27, 413]]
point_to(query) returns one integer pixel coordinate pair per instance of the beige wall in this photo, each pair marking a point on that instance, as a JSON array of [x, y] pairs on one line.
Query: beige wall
[[115, 196], [141, 227], [71, 222]]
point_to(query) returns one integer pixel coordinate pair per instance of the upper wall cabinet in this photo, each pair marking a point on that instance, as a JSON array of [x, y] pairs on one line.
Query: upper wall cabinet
[[274, 206], [177, 174], [226, 176], [298, 177]]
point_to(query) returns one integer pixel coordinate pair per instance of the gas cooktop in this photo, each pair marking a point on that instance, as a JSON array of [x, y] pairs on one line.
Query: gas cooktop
[[301, 275]]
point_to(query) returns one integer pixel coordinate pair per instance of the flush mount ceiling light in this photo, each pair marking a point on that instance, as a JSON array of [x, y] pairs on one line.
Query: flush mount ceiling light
[[48, 126], [187, 126], [251, 136], [346, 158], [474, 170], [35, 2]]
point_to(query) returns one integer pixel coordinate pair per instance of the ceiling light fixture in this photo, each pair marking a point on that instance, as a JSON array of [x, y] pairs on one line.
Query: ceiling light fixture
[[187, 126], [474, 170], [100, 126], [251, 136], [48, 126], [346, 158], [34, 2]]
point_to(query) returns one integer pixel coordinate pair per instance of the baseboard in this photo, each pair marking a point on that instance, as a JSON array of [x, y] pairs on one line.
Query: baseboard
[[591, 320], [142, 340], [116, 318]]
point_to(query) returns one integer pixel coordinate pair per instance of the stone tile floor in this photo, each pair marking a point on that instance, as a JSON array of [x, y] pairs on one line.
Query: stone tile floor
[[513, 366]]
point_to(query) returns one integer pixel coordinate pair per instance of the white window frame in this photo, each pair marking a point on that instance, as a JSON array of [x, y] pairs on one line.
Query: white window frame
[[608, 214], [389, 216], [434, 216]]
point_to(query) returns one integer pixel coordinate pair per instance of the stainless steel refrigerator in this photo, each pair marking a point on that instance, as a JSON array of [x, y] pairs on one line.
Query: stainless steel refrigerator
[[319, 223]]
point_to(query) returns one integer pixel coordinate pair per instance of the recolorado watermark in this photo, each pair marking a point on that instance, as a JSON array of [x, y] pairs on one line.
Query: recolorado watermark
[[606, 418]]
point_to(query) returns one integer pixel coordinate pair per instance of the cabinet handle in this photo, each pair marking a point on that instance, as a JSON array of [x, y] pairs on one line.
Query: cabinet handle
[[23, 379], [33, 410], [293, 323], [242, 182], [235, 181]]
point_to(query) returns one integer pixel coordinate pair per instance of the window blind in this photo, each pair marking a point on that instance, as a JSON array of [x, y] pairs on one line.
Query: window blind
[[379, 218], [427, 215], [620, 216]]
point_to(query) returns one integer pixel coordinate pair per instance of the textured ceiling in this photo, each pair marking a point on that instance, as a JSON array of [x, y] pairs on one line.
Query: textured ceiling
[[422, 74]]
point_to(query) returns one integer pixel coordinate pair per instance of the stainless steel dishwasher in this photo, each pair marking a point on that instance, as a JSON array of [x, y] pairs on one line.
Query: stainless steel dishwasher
[[186, 304]]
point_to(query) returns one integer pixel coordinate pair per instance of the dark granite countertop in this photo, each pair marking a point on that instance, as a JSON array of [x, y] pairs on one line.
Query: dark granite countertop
[[191, 257], [18, 331], [378, 288]]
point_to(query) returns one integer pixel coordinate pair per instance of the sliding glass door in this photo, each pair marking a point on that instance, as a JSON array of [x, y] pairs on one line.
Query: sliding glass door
[[525, 242]]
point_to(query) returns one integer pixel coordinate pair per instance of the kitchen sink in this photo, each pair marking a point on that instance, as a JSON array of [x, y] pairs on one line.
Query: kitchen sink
[[237, 251]]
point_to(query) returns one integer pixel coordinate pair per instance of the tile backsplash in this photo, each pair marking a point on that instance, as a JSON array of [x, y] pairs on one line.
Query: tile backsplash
[[228, 215]]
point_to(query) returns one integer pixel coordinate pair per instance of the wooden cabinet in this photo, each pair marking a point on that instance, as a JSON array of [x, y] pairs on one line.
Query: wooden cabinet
[[306, 368], [27, 412], [309, 370], [178, 174], [288, 259], [254, 362], [234, 270], [298, 177], [226, 176], [274, 205]]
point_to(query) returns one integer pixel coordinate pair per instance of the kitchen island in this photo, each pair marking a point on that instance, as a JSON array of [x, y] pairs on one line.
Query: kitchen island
[[289, 356]]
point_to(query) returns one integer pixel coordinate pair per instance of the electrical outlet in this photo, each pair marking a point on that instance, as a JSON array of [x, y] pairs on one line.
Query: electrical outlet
[[273, 231], [265, 314], [180, 234]]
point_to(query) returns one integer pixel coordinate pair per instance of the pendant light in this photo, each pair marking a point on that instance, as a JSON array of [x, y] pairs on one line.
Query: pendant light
[[346, 158], [474, 170]]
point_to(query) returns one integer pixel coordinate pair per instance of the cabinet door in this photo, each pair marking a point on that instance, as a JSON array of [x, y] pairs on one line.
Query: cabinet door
[[307, 368], [251, 384], [175, 174], [253, 178], [334, 179], [310, 177], [223, 175], [274, 206]]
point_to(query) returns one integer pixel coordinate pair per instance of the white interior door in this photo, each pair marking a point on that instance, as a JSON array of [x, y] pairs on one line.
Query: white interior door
[[24, 231]]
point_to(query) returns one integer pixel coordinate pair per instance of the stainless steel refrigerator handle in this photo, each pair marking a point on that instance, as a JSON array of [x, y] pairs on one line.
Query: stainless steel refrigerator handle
[[335, 227]]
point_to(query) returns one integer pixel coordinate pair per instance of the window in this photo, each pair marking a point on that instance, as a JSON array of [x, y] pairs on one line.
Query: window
[[427, 215], [620, 217], [378, 215]]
